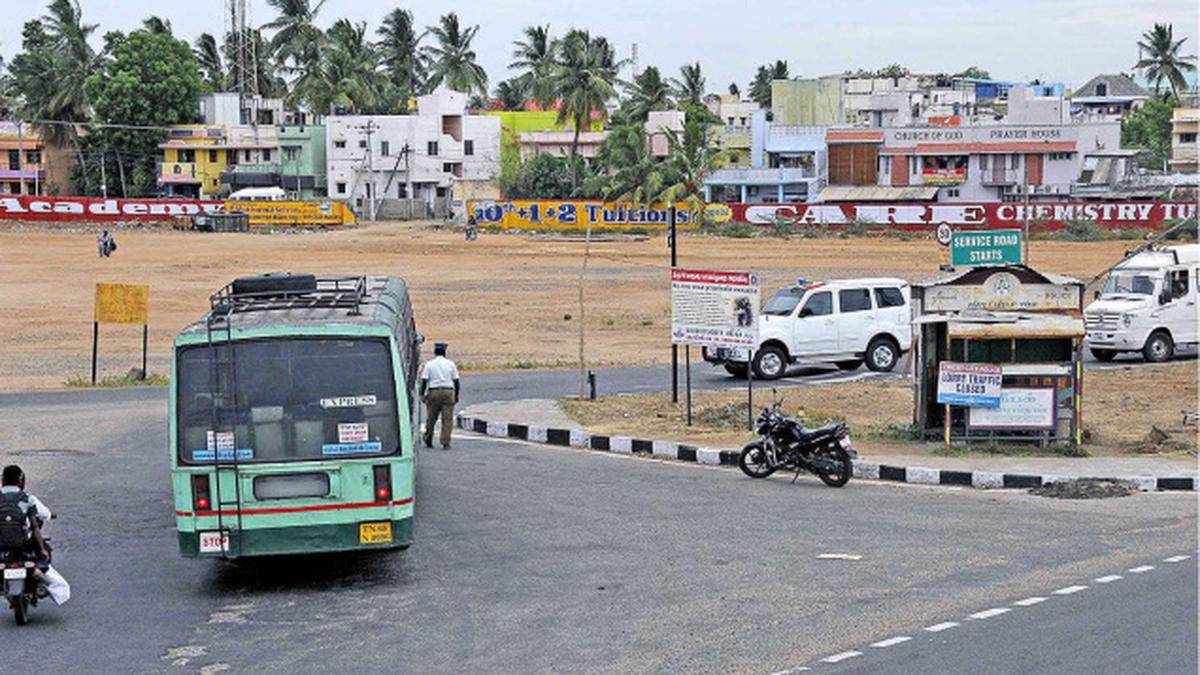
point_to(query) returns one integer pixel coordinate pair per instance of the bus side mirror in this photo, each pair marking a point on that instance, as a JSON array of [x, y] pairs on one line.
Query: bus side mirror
[[1165, 296]]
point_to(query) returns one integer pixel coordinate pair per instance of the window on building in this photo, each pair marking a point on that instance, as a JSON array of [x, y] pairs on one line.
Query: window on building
[[1059, 156], [468, 147], [854, 300], [742, 121], [888, 297], [291, 153], [1102, 89], [730, 121], [266, 155], [35, 156], [447, 168], [983, 162], [212, 157], [441, 192], [339, 144], [186, 155], [402, 191], [341, 188], [385, 149], [431, 148], [1012, 161], [733, 158], [266, 116], [246, 155], [1187, 138], [362, 143], [950, 192]]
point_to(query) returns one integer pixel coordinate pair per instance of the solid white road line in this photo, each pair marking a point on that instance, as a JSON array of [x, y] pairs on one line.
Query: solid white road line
[[989, 613], [891, 641], [1027, 602], [1108, 579], [841, 657], [1142, 569], [1069, 590], [1176, 558], [789, 671], [939, 627]]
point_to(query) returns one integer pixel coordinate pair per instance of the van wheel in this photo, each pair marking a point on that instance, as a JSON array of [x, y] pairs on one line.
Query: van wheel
[[882, 354], [849, 365], [1104, 354], [1159, 347], [736, 369], [770, 363]]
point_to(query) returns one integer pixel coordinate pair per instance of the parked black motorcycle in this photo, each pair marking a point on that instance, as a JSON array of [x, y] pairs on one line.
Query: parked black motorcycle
[[787, 444]]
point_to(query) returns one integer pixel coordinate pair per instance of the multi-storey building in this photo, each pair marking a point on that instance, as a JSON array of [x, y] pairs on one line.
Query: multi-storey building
[[413, 165], [787, 163], [733, 134], [1108, 97], [31, 166], [194, 158], [1185, 124]]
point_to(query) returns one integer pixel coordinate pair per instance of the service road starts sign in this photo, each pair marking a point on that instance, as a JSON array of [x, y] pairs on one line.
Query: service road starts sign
[[984, 247], [970, 384], [714, 309]]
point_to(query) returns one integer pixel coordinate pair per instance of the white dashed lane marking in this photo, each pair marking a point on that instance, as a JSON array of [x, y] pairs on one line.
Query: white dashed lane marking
[[1029, 602], [1141, 569], [1108, 579], [891, 641], [841, 657], [989, 613], [939, 627], [1176, 558], [1070, 589]]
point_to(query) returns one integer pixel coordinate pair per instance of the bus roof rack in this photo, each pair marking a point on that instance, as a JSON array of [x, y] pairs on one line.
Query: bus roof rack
[[288, 291]]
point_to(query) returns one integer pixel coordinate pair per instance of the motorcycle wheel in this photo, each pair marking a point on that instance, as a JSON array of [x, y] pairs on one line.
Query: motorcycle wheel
[[20, 609], [845, 468], [754, 461]]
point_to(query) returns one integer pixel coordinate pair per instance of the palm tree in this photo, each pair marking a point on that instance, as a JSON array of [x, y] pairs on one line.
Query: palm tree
[[511, 94], [156, 24], [452, 61], [58, 92], [400, 54], [348, 74], [635, 176], [533, 58], [296, 37], [692, 158], [1161, 60], [648, 92], [760, 87], [208, 55], [582, 81], [735, 90], [690, 85]]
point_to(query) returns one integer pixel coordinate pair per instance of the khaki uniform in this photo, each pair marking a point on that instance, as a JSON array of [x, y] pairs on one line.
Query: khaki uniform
[[439, 403]]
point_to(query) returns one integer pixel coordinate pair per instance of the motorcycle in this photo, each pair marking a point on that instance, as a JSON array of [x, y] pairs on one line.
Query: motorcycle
[[24, 582], [787, 444]]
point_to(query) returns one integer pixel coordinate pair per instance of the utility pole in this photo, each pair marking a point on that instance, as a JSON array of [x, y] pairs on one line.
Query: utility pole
[[408, 181], [368, 164], [1025, 199], [20, 157], [103, 177]]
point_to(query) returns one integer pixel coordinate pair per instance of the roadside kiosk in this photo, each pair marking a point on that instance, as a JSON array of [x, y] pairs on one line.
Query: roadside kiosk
[[998, 356]]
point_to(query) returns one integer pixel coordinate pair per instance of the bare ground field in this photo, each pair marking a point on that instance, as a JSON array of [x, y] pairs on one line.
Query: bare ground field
[[503, 301], [1118, 415]]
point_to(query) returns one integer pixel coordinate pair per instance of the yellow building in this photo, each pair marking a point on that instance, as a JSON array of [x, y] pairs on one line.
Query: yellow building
[[193, 159]]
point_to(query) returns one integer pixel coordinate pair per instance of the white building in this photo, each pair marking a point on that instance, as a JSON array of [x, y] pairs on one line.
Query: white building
[[391, 165]]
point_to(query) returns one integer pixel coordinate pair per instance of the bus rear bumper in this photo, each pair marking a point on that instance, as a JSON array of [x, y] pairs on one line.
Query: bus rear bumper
[[297, 540]]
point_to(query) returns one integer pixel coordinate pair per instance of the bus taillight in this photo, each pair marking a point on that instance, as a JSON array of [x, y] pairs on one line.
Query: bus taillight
[[200, 491], [383, 482]]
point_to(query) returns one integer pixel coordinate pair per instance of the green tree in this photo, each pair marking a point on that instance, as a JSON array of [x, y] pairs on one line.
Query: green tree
[[974, 72], [582, 81], [156, 24], [760, 87], [511, 94], [400, 54], [533, 58], [893, 71], [735, 90], [1149, 127], [632, 175], [347, 74], [1161, 59], [648, 92], [452, 61], [689, 86], [692, 158], [297, 39], [208, 58], [149, 80]]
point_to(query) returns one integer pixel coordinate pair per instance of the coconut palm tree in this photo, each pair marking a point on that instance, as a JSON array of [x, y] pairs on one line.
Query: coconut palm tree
[[208, 56], [533, 58], [582, 82], [648, 92], [692, 158], [400, 54], [634, 175], [689, 87], [1161, 60], [348, 74], [156, 24], [511, 94], [297, 38], [452, 61]]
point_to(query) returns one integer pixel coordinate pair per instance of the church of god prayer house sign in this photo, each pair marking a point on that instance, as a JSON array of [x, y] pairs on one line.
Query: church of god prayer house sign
[[970, 384], [714, 309]]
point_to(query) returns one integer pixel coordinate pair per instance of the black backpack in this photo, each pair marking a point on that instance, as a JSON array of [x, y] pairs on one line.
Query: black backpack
[[14, 517]]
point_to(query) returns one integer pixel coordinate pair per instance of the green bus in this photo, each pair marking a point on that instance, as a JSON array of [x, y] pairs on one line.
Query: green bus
[[293, 418]]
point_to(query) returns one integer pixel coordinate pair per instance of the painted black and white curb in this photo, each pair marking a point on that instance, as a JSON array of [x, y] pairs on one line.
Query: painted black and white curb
[[578, 438]]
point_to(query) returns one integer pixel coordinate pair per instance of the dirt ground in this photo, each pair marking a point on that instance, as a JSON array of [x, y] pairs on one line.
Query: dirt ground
[[503, 301], [1116, 419]]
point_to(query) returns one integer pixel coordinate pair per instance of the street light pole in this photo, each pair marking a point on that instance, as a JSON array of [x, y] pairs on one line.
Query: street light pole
[[674, 347]]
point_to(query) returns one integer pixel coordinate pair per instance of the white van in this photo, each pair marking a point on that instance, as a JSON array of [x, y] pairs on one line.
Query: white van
[[843, 322], [1148, 304]]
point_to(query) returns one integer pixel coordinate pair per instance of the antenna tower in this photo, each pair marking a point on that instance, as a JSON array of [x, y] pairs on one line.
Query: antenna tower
[[240, 47]]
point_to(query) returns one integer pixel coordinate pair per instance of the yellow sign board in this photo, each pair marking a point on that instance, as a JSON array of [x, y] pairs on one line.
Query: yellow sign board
[[309, 212], [122, 303], [576, 215]]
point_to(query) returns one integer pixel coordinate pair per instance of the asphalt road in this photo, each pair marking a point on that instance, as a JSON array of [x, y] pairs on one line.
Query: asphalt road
[[532, 559]]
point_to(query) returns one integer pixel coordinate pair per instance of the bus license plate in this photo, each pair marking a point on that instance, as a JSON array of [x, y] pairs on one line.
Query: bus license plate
[[375, 533], [214, 542], [18, 573]]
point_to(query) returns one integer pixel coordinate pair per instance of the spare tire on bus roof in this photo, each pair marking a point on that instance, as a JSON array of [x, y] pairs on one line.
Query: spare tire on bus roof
[[275, 282]]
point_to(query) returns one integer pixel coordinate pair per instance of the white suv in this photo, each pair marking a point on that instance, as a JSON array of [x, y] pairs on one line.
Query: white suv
[[844, 322]]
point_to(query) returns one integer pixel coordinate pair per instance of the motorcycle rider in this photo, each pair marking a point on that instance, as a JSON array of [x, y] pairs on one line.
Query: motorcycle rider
[[12, 487]]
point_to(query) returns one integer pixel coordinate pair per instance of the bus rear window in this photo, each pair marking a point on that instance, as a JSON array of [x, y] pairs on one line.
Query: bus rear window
[[292, 399]]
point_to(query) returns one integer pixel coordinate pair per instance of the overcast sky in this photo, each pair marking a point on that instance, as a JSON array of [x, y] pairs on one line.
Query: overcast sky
[[1052, 40]]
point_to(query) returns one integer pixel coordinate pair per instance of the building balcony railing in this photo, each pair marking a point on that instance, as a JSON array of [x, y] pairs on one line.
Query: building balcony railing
[[1001, 177], [761, 175], [170, 169]]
